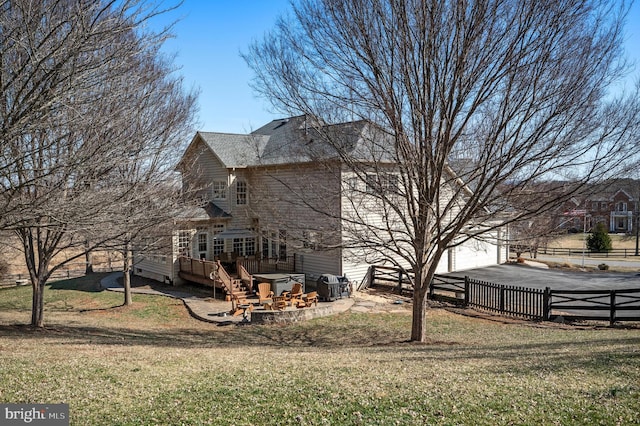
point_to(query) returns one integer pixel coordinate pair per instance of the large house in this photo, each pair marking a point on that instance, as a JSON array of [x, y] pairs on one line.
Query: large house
[[612, 204], [266, 195]]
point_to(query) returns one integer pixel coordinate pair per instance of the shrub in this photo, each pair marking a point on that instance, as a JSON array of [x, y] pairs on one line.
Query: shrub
[[603, 267], [599, 240]]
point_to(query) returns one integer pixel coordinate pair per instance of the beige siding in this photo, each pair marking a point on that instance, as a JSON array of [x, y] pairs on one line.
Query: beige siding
[[157, 267], [202, 169], [317, 263], [295, 195], [242, 214], [297, 199], [355, 272], [475, 254]]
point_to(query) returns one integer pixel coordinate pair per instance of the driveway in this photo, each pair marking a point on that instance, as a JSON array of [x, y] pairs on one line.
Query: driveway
[[534, 277]]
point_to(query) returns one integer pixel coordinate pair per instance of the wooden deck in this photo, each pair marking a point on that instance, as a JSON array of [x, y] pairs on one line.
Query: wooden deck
[[214, 273]]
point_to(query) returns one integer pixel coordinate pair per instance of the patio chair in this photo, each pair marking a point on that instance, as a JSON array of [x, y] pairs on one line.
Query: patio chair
[[265, 295], [280, 303], [240, 305], [310, 298], [295, 295]]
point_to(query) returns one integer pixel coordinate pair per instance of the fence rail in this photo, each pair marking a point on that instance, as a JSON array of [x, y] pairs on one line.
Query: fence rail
[[619, 305], [61, 274], [522, 302], [626, 252], [390, 276]]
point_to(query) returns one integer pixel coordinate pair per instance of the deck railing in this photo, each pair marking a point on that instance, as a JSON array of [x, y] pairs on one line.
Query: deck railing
[[245, 267], [269, 265]]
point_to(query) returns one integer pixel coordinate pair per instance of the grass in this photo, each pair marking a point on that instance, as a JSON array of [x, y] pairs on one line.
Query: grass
[[153, 364], [576, 241]]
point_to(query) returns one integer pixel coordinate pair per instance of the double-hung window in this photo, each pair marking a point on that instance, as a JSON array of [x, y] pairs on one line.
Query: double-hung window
[[241, 192]]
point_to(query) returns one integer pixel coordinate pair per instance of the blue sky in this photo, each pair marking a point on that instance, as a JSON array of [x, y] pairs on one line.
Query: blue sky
[[209, 38]]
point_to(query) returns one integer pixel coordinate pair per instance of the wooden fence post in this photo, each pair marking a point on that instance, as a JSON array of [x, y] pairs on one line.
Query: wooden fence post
[[400, 282], [546, 300], [612, 307], [431, 290], [372, 275]]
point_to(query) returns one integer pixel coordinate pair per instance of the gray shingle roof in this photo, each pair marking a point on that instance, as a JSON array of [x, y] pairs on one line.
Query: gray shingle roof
[[292, 140], [234, 150]]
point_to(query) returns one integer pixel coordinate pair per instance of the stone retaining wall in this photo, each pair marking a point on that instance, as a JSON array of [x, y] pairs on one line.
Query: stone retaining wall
[[290, 315]]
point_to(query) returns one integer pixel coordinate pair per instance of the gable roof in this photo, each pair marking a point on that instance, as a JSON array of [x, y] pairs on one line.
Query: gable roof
[[233, 150], [292, 140]]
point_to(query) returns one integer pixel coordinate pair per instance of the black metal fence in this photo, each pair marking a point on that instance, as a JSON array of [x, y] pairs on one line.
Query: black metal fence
[[529, 303], [522, 302]]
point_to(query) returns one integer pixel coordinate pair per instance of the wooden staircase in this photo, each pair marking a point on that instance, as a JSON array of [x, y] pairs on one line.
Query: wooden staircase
[[240, 287]]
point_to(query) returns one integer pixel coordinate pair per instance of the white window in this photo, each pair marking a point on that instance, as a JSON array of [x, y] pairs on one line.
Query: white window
[[372, 184], [244, 246], [594, 206], [241, 192], [203, 239], [282, 247], [219, 190], [382, 183], [622, 207], [218, 243], [238, 246], [265, 247], [249, 246], [184, 243], [274, 244], [603, 206], [353, 184], [311, 239], [389, 182]]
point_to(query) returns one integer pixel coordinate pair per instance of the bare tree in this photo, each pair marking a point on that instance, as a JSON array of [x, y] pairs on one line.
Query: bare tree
[[70, 121], [156, 123], [479, 99]]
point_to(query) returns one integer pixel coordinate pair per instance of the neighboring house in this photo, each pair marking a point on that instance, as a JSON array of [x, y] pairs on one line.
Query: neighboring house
[[615, 211], [261, 195], [612, 206]]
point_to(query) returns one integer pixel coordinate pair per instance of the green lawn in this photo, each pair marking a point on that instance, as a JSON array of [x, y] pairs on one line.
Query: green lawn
[[153, 364]]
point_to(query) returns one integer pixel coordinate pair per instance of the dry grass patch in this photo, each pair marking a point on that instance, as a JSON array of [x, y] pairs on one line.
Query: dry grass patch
[[576, 241], [152, 364]]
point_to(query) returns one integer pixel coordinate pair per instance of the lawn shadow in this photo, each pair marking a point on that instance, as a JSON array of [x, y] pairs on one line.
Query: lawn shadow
[[88, 283]]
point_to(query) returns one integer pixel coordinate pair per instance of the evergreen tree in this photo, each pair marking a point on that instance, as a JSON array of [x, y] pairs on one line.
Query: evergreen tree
[[599, 240]]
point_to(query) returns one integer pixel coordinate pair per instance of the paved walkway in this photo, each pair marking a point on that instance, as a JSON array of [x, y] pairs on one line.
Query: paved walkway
[[216, 311]]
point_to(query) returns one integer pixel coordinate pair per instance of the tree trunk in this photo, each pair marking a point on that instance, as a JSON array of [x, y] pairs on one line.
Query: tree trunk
[[127, 274], [88, 259], [37, 305], [419, 321]]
